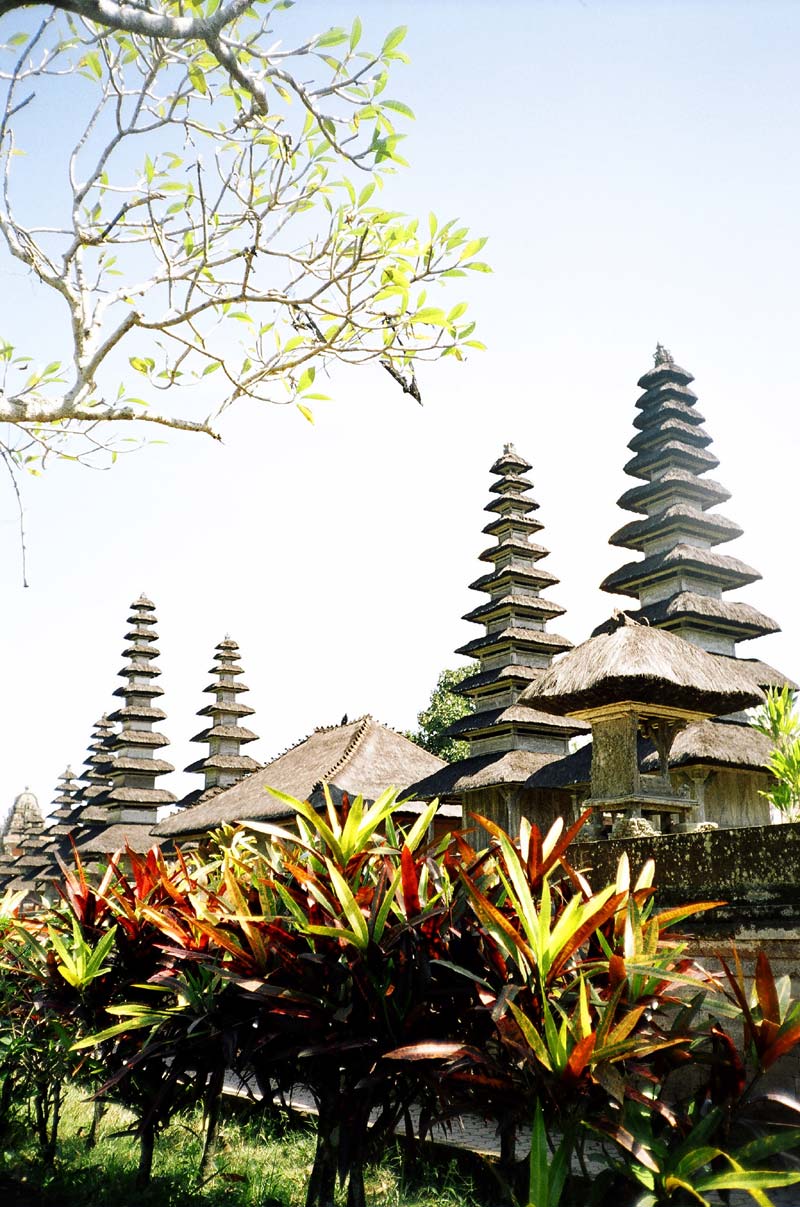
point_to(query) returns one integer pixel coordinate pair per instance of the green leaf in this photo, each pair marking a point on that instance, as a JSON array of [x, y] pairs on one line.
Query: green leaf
[[306, 412], [118, 1029], [753, 1179], [352, 912], [421, 825], [197, 78], [539, 1182], [355, 33], [334, 37], [394, 39], [398, 107]]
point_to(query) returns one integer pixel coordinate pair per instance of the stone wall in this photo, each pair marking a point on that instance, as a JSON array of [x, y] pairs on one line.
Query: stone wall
[[755, 869]]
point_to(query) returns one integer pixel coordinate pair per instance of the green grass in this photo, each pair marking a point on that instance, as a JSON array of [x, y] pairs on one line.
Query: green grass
[[263, 1161]]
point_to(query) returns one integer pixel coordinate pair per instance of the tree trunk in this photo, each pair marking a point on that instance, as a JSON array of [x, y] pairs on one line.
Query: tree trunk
[[40, 1106], [55, 1118], [356, 1194], [214, 1107], [508, 1145], [6, 1095], [97, 1115], [147, 1142], [322, 1183]]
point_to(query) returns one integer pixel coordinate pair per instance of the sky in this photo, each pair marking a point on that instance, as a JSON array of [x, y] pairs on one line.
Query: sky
[[636, 168]]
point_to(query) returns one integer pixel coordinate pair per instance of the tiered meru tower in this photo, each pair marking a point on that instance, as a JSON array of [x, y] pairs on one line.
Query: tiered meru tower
[[132, 797], [224, 764], [508, 741], [681, 581], [98, 761], [515, 647]]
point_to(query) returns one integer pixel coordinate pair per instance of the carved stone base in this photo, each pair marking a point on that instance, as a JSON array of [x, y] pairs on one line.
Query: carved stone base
[[632, 827]]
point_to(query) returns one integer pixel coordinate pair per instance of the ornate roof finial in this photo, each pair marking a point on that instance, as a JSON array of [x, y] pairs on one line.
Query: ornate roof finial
[[662, 356], [509, 448]]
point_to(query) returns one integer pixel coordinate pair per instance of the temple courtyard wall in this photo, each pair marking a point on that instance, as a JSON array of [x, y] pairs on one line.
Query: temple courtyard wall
[[755, 870]]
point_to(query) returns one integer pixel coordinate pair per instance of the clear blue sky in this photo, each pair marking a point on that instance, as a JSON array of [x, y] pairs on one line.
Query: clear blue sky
[[636, 168]]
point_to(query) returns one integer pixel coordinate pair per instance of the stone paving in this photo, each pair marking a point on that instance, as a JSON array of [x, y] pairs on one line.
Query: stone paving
[[480, 1135]]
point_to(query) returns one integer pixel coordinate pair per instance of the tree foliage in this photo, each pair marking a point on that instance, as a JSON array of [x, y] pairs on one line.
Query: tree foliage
[[445, 707], [778, 720], [219, 230]]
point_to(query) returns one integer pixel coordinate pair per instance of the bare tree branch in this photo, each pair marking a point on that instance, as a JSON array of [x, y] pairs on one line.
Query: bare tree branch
[[213, 241]]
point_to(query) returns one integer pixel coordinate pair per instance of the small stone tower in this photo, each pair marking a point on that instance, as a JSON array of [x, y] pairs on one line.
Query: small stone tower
[[225, 764], [133, 798], [23, 823], [681, 581]]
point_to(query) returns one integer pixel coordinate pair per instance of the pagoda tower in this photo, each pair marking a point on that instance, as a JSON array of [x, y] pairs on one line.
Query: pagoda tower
[[84, 817], [96, 777], [62, 819], [224, 764], [62, 822], [681, 581], [132, 797], [515, 647], [509, 741]]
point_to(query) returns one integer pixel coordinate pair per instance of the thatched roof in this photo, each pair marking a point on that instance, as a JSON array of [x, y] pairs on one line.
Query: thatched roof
[[762, 674], [520, 715], [717, 743], [520, 605], [533, 640], [115, 838], [481, 771], [512, 672], [361, 757], [664, 370], [680, 517], [520, 573], [689, 456], [718, 567], [706, 490], [662, 427], [646, 665], [708, 612], [510, 462]]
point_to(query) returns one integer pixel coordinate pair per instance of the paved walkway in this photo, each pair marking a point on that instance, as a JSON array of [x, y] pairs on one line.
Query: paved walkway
[[479, 1135]]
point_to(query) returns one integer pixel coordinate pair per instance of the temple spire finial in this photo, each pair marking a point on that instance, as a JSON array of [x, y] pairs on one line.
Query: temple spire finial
[[662, 356]]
